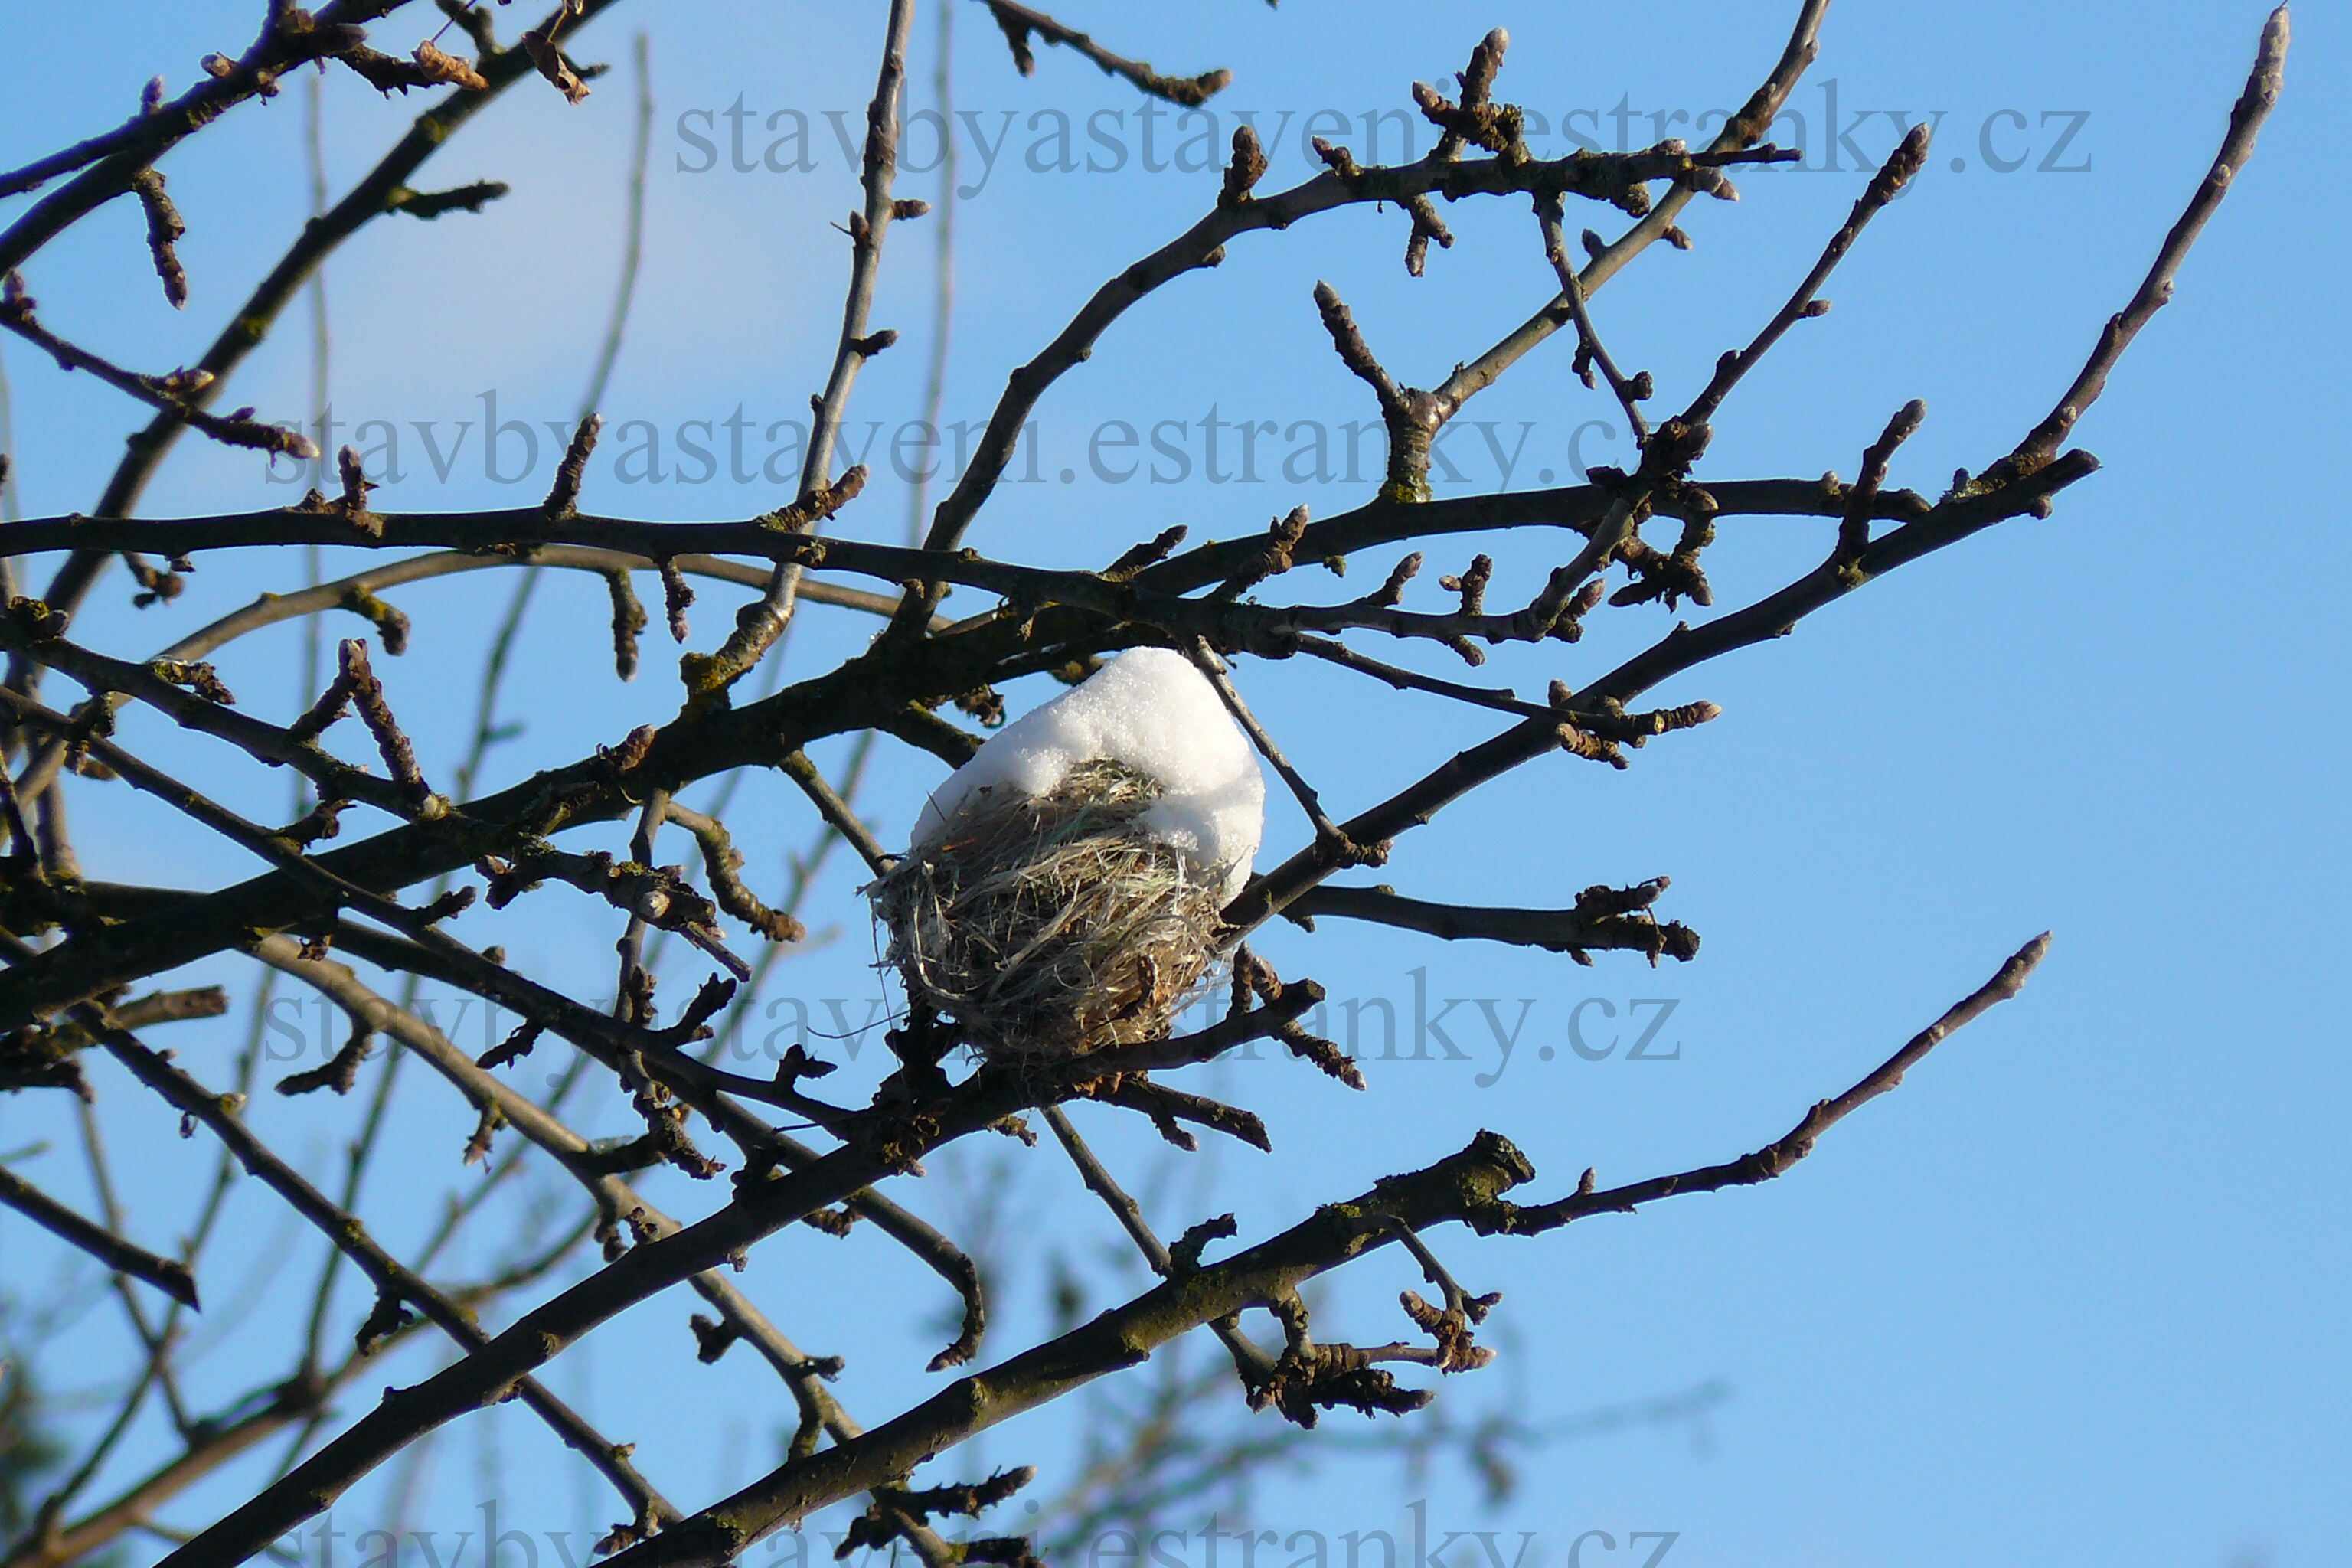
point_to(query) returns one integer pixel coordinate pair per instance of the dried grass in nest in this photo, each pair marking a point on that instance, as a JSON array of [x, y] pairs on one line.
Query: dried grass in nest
[[1053, 925]]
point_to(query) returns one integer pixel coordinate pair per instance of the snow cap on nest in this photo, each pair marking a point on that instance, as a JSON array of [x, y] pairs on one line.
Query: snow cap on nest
[[1151, 710]]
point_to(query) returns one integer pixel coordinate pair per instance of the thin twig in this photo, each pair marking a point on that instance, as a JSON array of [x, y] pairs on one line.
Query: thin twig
[[1020, 21], [120, 1256], [837, 814], [1206, 660], [1774, 1158], [1253, 1364], [2253, 107]]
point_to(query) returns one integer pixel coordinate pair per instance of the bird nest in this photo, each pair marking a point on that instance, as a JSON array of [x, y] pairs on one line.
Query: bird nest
[[1053, 924]]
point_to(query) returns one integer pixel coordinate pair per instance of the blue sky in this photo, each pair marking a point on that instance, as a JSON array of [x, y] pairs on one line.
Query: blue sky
[[2073, 1294]]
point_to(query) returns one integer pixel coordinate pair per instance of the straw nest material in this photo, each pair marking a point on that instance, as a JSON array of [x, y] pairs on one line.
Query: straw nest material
[[1053, 924]]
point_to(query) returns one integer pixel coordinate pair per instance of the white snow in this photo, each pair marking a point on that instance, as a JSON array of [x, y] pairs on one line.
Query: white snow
[[1151, 710]]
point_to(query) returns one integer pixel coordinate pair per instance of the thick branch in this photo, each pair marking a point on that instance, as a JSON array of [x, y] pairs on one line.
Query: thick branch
[[1122, 1337]]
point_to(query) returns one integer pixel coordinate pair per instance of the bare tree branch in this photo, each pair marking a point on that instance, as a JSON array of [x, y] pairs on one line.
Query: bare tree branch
[[120, 1256], [668, 1048]]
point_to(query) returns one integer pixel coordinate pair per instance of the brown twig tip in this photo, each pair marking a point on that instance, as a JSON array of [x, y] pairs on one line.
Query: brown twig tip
[[197, 677], [1324, 1056], [1485, 65], [353, 503], [563, 496], [353, 475], [1691, 431], [431, 204], [1592, 748], [635, 748], [2270, 60], [712, 1337], [165, 228], [366, 693], [1427, 226], [1021, 23], [1900, 166], [241, 430], [389, 74], [1016, 38], [677, 596], [1150, 553], [1271, 559], [340, 1072], [514, 1047], [157, 586], [1347, 339], [894, 1511], [323, 820], [385, 1319], [391, 623], [628, 620], [1862, 498], [1474, 122], [822, 502], [1390, 593], [1342, 162], [1191, 92], [1472, 585], [1249, 166]]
